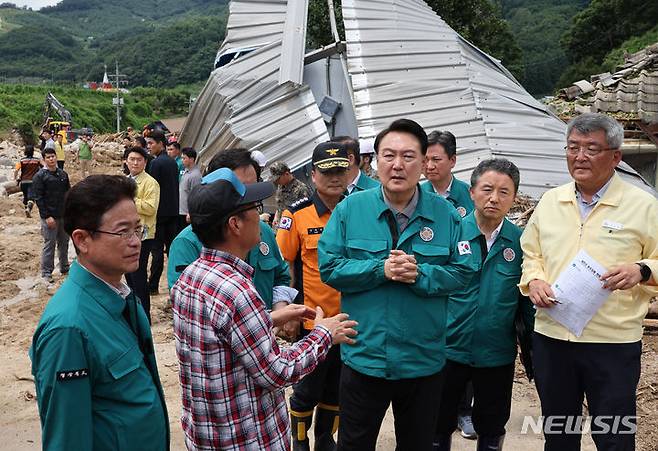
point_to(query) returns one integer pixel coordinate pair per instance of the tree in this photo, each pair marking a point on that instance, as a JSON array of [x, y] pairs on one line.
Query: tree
[[478, 21]]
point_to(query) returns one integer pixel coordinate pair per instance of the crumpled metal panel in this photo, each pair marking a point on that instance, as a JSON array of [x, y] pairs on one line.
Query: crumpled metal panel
[[405, 61], [252, 23], [243, 105]]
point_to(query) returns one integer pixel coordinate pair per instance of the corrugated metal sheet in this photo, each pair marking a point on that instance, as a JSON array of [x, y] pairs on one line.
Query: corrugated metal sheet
[[253, 23], [243, 105], [405, 61]]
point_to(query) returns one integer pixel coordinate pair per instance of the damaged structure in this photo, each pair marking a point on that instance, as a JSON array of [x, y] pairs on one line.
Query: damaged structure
[[399, 59], [631, 96]]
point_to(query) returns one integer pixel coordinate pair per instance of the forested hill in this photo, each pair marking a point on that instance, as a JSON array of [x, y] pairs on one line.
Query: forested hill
[[546, 44]]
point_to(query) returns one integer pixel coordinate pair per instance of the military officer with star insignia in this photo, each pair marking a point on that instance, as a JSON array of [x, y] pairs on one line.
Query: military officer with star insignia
[[481, 336], [271, 275], [394, 253], [440, 159], [299, 231]]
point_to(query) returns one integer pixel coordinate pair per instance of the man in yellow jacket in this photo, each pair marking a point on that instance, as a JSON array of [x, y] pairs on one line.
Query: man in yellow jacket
[[616, 224], [147, 199]]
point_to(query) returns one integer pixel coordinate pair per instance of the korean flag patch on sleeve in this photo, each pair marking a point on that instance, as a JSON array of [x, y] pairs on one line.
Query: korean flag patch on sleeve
[[285, 223], [464, 247]]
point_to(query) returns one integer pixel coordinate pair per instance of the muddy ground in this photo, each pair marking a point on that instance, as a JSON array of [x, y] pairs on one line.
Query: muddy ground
[[23, 298]]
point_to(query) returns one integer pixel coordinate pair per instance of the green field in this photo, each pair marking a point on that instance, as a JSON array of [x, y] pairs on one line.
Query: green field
[[21, 106]]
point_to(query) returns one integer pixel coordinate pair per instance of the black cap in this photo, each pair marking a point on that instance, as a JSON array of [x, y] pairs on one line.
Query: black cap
[[330, 155], [221, 193]]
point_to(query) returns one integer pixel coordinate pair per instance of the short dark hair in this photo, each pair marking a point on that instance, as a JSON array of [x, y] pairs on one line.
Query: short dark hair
[[404, 126], [501, 165], [139, 150], [351, 145], [189, 152], [29, 150], [141, 140], [87, 202], [445, 139], [158, 136], [232, 159], [175, 144], [48, 150]]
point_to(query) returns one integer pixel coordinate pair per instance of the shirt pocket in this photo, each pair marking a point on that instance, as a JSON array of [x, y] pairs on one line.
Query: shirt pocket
[[310, 251], [267, 263], [430, 253], [361, 249], [126, 363]]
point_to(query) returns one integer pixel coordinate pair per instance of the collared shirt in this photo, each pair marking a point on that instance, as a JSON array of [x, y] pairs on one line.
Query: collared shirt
[[402, 217], [122, 290], [95, 371], [352, 185], [232, 370], [587, 207], [492, 239], [622, 228], [458, 195], [299, 231]]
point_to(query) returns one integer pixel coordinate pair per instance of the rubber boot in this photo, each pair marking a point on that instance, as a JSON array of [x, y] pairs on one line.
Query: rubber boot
[[300, 423], [490, 442], [326, 425], [442, 442]]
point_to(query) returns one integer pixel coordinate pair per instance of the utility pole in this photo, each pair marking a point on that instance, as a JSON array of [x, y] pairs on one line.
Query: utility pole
[[119, 79]]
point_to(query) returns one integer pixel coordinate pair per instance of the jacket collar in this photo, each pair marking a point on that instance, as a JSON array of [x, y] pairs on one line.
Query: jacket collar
[[105, 296], [470, 229], [612, 196], [423, 207]]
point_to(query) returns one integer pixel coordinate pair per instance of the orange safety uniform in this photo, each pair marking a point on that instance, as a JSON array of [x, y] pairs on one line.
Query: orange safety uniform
[[298, 234]]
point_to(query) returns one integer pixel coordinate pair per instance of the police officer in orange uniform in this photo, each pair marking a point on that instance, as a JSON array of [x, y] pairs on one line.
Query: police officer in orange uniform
[[299, 231]]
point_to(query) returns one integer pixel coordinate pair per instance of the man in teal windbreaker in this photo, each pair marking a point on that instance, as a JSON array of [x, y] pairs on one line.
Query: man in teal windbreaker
[[92, 353], [481, 337], [394, 254], [440, 160], [271, 270]]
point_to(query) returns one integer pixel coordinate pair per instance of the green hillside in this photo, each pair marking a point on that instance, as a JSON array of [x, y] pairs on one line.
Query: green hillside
[[21, 106]]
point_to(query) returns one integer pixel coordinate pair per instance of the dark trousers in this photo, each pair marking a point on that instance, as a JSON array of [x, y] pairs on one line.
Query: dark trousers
[[166, 230], [138, 280], [26, 188], [365, 399], [466, 404], [607, 373], [320, 386], [492, 390]]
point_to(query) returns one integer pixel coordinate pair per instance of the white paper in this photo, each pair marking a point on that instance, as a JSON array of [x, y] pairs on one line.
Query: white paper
[[580, 293]]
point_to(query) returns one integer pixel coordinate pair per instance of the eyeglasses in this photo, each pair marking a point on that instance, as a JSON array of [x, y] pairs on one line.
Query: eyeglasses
[[258, 206], [139, 231], [574, 149]]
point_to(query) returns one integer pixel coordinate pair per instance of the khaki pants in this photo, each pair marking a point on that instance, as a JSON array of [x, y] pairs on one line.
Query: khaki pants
[[84, 167]]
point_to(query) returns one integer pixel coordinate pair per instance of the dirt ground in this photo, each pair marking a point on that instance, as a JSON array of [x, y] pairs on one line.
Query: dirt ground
[[23, 298]]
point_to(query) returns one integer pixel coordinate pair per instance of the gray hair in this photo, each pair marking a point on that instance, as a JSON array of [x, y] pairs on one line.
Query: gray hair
[[500, 165], [593, 122]]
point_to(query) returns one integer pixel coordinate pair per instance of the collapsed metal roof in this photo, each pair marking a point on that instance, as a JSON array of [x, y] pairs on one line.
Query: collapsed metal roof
[[403, 61]]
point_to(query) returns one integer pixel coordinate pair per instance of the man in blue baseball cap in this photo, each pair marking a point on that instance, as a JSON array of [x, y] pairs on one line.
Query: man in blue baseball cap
[[230, 363]]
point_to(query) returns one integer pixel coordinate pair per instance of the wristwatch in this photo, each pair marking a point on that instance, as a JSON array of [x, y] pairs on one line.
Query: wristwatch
[[645, 271]]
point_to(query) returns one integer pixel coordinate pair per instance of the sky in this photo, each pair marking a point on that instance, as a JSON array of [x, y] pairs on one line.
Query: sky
[[34, 4]]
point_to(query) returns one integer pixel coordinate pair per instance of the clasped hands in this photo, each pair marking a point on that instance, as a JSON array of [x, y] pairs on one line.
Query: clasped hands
[[401, 267]]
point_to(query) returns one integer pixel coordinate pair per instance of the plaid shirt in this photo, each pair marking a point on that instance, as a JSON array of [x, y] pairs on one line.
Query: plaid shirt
[[232, 372]]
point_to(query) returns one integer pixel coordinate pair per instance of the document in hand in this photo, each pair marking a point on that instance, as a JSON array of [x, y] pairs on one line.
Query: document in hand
[[580, 292]]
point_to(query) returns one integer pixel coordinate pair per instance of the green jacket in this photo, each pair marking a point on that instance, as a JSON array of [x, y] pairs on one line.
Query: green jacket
[[401, 326], [97, 381], [459, 197], [84, 151], [365, 183], [270, 268], [481, 330]]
